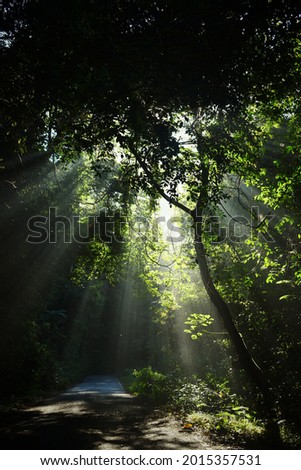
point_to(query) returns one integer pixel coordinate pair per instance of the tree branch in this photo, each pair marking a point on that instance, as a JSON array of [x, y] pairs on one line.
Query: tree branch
[[158, 188]]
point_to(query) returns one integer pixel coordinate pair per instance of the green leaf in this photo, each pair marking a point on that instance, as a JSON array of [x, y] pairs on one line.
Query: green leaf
[[285, 297]]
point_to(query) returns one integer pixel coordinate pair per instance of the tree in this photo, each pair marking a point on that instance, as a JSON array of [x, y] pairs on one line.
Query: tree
[[85, 68], [134, 91], [222, 145]]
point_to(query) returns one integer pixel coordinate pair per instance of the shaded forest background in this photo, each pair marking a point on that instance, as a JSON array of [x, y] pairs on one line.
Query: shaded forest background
[[107, 110]]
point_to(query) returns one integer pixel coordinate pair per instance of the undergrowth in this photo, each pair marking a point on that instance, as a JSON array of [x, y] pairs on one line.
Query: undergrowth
[[208, 404]]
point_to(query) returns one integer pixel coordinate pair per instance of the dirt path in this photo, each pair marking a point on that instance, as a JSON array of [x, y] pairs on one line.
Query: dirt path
[[91, 417]]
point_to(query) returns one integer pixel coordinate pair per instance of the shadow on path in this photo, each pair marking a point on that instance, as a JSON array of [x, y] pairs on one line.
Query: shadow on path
[[96, 414]]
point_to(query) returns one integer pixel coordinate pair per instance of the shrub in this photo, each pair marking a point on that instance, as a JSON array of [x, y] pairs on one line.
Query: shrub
[[189, 396], [150, 384], [231, 424]]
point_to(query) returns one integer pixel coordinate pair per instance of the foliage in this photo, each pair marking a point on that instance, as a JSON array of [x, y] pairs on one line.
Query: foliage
[[232, 426], [203, 121], [185, 394], [215, 410], [195, 322], [149, 384], [241, 428], [195, 394]]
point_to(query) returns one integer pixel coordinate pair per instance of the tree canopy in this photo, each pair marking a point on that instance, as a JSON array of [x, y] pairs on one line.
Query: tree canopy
[[89, 69], [196, 102]]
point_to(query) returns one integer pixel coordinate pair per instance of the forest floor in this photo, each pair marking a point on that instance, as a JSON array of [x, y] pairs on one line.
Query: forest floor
[[84, 418]]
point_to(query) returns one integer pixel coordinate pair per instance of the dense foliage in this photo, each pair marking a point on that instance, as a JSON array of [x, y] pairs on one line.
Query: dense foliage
[[107, 109]]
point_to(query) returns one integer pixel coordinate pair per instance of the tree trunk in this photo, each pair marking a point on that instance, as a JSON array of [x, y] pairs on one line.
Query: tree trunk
[[246, 360]]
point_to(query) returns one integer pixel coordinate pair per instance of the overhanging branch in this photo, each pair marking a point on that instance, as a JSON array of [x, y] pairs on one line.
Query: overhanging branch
[[158, 188]]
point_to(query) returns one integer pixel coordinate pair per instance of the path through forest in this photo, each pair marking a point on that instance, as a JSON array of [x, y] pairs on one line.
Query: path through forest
[[96, 414]]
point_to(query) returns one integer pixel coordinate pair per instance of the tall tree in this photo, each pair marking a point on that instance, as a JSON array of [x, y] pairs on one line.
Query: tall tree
[[122, 72], [220, 144]]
